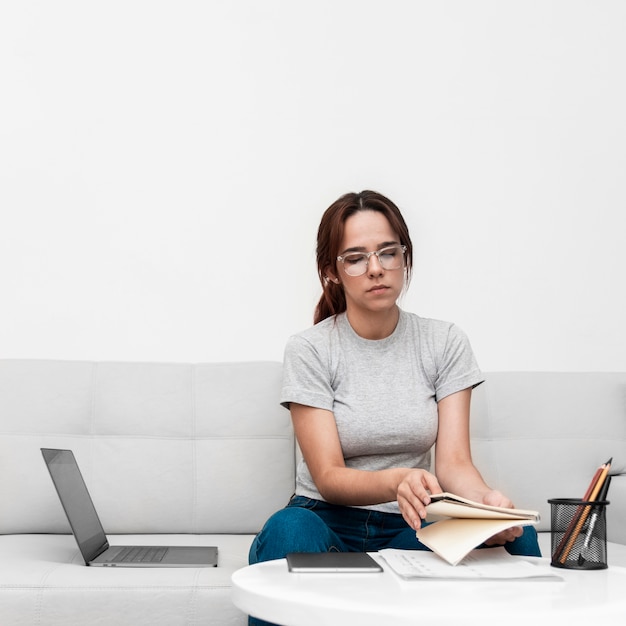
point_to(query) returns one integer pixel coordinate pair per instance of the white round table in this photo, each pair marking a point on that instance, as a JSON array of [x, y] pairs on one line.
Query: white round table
[[269, 591]]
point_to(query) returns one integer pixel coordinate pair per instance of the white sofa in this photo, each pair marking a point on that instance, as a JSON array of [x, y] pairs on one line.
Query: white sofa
[[212, 454]]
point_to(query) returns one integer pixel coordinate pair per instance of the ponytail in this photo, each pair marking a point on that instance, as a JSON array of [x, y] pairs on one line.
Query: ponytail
[[332, 301]]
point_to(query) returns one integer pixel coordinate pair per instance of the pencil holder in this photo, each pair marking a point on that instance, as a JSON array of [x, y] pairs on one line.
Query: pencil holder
[[578, 533]]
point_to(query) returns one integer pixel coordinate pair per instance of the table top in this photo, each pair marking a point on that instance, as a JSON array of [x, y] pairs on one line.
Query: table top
[[269, 591]]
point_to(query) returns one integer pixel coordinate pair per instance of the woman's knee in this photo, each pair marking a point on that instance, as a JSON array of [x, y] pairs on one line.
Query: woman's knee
[[292, 529], [526, 545]]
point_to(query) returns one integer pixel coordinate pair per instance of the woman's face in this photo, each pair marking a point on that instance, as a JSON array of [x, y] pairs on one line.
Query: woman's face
[[376, 290]]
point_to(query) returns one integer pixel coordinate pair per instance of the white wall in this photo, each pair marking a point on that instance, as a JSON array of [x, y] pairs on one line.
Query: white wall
[[164, 165]]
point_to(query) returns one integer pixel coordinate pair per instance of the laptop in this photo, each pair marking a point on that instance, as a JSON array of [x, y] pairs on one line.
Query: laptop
[[89, 534]]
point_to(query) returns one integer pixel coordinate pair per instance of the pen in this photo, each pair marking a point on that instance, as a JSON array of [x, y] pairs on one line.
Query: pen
[[592, 523]]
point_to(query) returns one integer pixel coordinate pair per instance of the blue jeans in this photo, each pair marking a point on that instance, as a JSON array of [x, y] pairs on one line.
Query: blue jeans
[[307, 525]]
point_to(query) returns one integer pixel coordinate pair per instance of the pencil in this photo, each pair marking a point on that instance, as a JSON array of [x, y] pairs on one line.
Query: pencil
[[585, 513]]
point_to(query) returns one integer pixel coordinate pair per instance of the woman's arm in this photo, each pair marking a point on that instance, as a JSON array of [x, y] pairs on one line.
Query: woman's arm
[[453, 460], [318, 438]]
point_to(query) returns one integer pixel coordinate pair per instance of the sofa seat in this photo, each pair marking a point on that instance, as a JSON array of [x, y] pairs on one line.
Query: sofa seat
[[44, 580]]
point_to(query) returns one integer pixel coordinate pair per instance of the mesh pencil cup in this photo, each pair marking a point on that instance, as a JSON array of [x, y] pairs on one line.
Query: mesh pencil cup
[[578, 533]]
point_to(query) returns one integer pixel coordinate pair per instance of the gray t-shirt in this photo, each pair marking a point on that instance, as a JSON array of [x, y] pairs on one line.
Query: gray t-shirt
[[383, 393]]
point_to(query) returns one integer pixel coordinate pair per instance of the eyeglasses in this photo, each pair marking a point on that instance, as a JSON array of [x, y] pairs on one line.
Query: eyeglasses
[[355, 263]]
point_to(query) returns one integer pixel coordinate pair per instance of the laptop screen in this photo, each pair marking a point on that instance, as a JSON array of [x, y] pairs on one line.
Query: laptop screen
[[76, 501]]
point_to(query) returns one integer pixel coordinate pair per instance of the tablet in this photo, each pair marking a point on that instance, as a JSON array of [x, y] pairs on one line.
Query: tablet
[[329, 562]]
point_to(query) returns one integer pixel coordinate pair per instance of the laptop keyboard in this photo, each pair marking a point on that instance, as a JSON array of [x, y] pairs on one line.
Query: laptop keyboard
[[140, 555]]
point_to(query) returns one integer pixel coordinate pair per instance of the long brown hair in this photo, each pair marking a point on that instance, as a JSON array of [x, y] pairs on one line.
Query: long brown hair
[[330, 235]]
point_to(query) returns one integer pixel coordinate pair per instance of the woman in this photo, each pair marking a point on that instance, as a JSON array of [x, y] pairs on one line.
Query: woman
[[371, 388]]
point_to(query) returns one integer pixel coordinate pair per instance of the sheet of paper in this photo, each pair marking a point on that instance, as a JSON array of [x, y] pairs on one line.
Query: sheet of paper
[[485, 564]]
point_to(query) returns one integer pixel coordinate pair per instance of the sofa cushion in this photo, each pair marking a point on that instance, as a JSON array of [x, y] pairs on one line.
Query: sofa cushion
[[541, 435], [163, 448]]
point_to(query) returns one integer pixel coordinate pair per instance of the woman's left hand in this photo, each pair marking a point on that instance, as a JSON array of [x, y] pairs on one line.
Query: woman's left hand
[[495, 498]]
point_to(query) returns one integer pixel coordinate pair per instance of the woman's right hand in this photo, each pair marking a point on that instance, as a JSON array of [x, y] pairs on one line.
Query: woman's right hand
[[414, 494]]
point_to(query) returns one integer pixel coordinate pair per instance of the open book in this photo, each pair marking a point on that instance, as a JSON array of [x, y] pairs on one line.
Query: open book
[[469, 525]]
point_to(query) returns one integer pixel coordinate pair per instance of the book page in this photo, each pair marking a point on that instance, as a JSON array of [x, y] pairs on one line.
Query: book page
[[452, 539], [450, 505]]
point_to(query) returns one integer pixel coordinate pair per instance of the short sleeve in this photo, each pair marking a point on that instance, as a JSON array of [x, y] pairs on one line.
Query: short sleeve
[[457, 368], [306, 377]]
